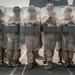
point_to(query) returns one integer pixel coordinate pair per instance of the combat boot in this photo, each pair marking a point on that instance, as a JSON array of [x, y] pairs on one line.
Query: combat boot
[[71, 63], [49, 66], [30, 66], [14, 63], [66, 64]]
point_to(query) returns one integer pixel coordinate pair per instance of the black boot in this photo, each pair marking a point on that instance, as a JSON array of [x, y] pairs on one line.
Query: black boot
[[49, 66], [14, 63], [30, 66]]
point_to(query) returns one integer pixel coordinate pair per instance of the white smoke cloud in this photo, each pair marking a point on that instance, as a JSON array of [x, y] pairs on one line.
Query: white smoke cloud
[[12, 3]]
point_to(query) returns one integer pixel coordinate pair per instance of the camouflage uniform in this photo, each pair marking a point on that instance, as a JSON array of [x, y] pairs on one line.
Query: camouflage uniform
[[49, 38], [12, 46], [13, 40], [2, 49], [31, 44], [32, 38], [49, 45], [59, 46], [68, 47], [68, 39]]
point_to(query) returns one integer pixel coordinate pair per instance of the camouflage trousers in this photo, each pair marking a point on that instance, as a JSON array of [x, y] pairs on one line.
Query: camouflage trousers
[[31, 45], [67, 54], [68, 42], [1, 46], [68, 46], [12, 46], [49, 46]]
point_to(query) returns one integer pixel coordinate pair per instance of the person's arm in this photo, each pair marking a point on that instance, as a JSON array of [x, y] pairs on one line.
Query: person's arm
[[44, 20], [12, 21]]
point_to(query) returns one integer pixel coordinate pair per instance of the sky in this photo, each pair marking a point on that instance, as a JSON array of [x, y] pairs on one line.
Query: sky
[[12, 3]]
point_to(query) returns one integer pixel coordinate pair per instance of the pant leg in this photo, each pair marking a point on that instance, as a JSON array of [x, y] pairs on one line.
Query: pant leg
[[65, 55], [52, 53], [10, 46], [60, 53], [0, 48], [70, 54], [35, 45], [29, 46], [0, 45], [16, 47], [49, 45]]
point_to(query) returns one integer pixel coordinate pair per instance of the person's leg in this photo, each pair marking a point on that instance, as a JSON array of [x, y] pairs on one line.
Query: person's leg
[[3, 54], [49, 51], [2, 50], [49, 57], [70, 58], [19, 55], [16, 50], [45, 59], [9, 56], [65, 58], [10, 49], [30, 55], [35, 47], [60, 55]]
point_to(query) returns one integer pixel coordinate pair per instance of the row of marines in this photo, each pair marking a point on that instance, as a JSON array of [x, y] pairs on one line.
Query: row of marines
[[50, 36]]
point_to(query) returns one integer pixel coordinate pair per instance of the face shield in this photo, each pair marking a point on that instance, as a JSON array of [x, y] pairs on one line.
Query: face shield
[[67, 11], [16, 11], [13, 15], [32, 13], [49, 7]]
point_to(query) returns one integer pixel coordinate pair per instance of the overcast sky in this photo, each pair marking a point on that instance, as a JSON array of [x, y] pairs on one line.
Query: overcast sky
[[12, 3]]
